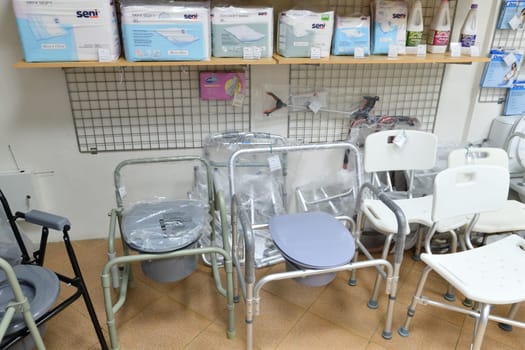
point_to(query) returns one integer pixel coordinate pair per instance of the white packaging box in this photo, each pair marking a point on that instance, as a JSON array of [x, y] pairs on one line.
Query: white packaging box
[[67, 30], [166, 31]]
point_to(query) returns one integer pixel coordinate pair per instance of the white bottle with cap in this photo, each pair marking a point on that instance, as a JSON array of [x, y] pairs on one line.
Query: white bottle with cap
[[439, 29], [414, 27], [469, 30]]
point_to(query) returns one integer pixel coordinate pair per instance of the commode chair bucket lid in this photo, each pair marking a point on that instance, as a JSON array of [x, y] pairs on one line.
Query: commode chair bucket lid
[[164, 226], [313, 240], [41, 287]]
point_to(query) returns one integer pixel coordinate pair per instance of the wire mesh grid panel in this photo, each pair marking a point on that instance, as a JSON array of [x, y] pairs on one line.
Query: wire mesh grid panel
[[403, 90], [506, 39], [149, 108]]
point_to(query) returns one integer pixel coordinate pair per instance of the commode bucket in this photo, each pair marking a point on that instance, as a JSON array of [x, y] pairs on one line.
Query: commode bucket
[[164, 227], [310, 281]]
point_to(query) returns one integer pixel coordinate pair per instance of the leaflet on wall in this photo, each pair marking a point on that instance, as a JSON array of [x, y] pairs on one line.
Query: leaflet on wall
[[503, 69]]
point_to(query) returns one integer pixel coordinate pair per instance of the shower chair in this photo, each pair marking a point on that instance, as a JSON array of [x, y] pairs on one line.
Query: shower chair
[[309, 260], [46, 284], [117, 272], [489, 275]]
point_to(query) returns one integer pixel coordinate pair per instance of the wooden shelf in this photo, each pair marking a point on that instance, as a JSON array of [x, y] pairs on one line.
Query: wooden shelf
[[121, 62], [401, 59]]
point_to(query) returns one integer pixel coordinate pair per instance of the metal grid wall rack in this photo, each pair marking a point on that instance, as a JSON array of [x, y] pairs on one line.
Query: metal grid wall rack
[[148, 108], [507, 39], [403, 90]]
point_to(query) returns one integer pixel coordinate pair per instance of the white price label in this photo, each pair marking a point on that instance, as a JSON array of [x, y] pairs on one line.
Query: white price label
[[455, 49], [359, 52], [315, 105], [392, 51], [238, 100], [510, 59], [247, 53], [421, 50], [315, 53], [104, 55], [515, 22], [474, 51], [122, 192]]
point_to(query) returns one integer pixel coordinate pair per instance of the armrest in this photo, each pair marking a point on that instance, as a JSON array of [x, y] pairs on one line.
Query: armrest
[[47, 220]]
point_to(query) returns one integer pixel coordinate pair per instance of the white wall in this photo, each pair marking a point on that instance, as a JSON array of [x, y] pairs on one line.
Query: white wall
[[36, 122]]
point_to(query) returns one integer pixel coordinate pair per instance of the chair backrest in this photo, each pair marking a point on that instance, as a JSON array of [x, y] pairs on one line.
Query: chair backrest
[[392, 150], [469, 189], [479, 156]]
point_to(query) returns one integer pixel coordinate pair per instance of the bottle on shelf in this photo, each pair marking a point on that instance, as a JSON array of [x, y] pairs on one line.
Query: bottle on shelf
[[414, 27], [439, 29], [469, 29]]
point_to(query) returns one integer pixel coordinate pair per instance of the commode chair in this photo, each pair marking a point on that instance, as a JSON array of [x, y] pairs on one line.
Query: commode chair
[[315, 245], [398, 150], [39, 285], [163, 229], [488, 275], [262, 190]]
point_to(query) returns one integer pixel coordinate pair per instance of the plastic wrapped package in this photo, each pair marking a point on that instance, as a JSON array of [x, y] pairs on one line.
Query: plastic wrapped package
[[164, 226]]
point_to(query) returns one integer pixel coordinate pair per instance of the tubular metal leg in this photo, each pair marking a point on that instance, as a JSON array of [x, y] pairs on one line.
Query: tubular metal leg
[[511, 315], [450, 295], [372, 303], [419, 243], [481, 326], [403, 331], [359, 227]]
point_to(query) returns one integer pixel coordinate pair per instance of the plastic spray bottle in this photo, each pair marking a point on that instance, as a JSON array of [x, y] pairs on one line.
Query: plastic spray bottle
[[469, 28], [439, 29], [415, 25]]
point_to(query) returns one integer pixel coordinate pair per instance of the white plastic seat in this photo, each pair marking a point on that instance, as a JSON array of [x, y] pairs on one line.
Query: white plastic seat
[[489, 275], [511, 217], [399, 150]]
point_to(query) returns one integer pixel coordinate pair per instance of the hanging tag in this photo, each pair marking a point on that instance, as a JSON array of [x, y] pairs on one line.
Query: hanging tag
[[315, 53], [400, 140], [104, 55], [421, 50], [510, 59], [474, 51], [256, 53], [359, 52], [274, 163], [515, 22], [455, 49], [392, 51], [315, 105], [122, 192], [238, 99]]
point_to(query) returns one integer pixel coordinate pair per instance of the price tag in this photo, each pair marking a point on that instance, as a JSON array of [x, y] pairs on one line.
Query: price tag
[[400, 140], [256, 53], [315, 105], [455, 50], [315, 53], [359, 52], [122, 191], [510, 59], [247, 53], [515, 22], [238, 100], [274, 163], [392, 51], [474, 51], [104, 55], [421, 50]]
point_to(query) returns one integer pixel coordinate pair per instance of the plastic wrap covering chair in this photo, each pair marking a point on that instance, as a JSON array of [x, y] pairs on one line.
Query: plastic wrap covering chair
[[397, 150], [489, 275], [315, 245], [259, 182], [42, 284], [164, 229]]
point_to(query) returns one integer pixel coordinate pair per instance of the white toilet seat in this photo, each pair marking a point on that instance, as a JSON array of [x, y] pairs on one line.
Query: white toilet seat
[[41, 287]]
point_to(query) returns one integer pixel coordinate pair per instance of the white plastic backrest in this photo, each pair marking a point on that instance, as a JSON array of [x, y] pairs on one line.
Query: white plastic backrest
[[418, 152], [469, 189], [478, 155]]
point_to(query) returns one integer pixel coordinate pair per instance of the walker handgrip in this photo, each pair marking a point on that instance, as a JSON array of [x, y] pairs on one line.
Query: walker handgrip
[[47, 220]]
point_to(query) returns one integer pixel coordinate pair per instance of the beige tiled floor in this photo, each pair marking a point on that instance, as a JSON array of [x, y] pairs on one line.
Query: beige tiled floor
[[190, 315]]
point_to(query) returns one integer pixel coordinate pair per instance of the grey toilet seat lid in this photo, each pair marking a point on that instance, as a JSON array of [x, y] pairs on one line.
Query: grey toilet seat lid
[[313, 240], [39, 285], [164, 226]]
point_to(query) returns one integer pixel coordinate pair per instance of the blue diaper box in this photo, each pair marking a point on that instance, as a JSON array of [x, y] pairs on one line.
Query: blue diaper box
[[515, 103], [500, 73]]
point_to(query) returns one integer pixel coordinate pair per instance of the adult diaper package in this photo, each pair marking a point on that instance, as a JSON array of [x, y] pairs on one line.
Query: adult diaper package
[[390, 25], [235, 28], [302, 30], [67, 30], [515, 102], [165, 30], [221, 85], [503, 69], [349, 33], [512, 15]]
